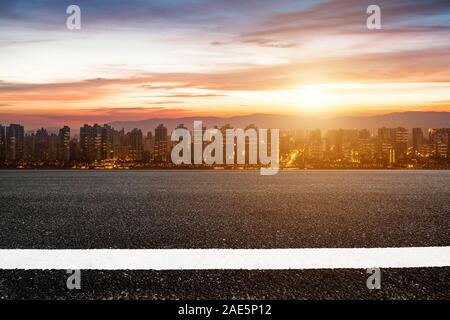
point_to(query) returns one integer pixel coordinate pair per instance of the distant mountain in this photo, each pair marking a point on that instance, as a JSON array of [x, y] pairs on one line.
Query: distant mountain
[[403, 119]]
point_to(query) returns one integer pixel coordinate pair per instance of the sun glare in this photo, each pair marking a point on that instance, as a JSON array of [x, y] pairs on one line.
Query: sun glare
[[313, 98]]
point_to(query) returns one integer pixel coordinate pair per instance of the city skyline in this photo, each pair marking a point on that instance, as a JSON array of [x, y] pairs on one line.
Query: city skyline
[[104, 146], [200, 58]]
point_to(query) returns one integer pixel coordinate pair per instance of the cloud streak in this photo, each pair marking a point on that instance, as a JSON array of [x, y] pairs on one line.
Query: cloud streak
[[428, 65]]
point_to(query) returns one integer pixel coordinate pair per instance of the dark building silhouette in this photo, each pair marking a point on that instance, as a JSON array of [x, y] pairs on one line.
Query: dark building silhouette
[[14, 142], [64, 144], [86, 143], [136, 145], [161, 144], [91, 146], [53, 146], [75, 153], [29, 146], [149, 146], [41, 145], [364, 134], [107, 142], [2, 143], [417, 139], [400, 139]]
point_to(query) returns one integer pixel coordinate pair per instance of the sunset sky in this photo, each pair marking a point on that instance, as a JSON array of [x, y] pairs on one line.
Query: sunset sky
[[135, 60]]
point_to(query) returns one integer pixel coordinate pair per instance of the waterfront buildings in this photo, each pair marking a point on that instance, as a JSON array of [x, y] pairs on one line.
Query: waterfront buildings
[[98, 145]]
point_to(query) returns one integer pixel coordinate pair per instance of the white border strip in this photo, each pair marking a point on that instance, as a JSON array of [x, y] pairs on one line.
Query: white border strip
[[199, 259]]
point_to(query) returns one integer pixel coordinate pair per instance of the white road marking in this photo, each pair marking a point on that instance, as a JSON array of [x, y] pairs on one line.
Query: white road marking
[[250, 259]]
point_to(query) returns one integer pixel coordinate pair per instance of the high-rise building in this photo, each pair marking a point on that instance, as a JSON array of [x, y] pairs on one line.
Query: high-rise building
[[417, 139], [98, 142], [366, 147], [397, 138], [383, 150], [439, 140], [2, 143], [53, 145], [160, 152], [14, 142], [64, 144], [315, 148], [136, 145], [448, 146], [41, 145], [74, 149], [334, 141], [149, 144], [118, 138], [385, 134], [91, 143], [29, 146], [441, 149], [86, 143], [432, 136], [400, 142], [366, 150], [363, 134], [107, 142]]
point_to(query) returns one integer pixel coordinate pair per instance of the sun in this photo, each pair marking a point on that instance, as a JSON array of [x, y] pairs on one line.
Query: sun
[[313, 98]]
